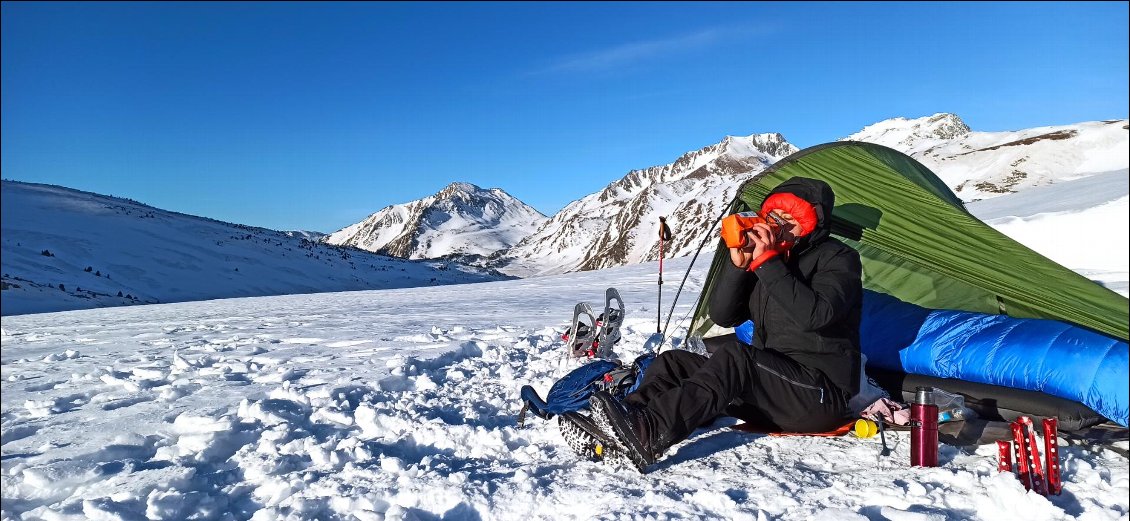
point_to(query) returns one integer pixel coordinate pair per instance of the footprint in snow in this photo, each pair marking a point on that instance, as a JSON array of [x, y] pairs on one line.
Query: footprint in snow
[[126, 402], [57, 405], [46, 386]]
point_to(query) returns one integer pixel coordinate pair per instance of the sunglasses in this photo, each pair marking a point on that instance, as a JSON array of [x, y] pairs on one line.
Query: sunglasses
[[781, 223]]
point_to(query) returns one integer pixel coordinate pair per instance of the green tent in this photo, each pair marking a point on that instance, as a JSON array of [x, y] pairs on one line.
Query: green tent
[[918, 243]]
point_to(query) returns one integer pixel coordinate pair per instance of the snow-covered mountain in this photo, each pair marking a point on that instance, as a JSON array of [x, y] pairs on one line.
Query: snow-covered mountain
[[462, 219], [981, 165], [65, 249], [619, 224], [906, 134]]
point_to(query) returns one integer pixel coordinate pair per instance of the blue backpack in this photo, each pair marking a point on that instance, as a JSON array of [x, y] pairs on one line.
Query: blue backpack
[[572, 392]]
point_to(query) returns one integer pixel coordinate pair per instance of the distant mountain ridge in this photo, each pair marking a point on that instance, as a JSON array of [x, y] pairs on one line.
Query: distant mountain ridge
[[461, 219], [618, 225]]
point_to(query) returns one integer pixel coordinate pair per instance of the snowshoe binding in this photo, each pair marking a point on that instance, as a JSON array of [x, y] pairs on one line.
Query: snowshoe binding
[[582, 336], [609, 323]]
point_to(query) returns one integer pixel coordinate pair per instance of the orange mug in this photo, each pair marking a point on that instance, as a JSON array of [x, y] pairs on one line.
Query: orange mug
[[734, 227]]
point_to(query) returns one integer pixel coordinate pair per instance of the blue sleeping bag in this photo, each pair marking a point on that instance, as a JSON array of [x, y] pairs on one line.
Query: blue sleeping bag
[[1048, 356]]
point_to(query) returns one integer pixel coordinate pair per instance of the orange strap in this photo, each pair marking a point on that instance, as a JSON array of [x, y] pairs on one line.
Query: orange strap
[[838, 431]]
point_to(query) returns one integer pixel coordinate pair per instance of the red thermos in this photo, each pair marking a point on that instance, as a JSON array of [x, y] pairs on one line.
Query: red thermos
[[924, 429]]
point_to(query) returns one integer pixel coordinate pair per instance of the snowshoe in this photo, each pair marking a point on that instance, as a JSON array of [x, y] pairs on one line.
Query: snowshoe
[[582, 336], [610, 321]]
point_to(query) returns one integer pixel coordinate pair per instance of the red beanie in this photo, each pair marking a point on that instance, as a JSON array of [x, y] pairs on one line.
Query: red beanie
[[800, 209]]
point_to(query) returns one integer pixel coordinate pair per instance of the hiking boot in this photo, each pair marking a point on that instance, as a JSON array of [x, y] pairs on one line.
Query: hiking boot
[[631, 427], [588, 441]]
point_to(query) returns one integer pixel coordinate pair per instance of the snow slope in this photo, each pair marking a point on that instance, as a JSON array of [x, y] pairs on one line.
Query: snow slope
[[402, 404], [1083, 224], [150, 255], [982, 165]]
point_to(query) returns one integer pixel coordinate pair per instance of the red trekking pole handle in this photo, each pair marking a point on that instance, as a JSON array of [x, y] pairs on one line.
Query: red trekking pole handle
[[664, 235]]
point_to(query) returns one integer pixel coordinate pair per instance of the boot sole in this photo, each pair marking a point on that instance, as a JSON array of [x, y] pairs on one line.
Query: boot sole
[[601, 404], [587, 441]]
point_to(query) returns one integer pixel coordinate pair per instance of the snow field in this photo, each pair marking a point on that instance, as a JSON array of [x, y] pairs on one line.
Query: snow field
[[403, 404], [171, 412]]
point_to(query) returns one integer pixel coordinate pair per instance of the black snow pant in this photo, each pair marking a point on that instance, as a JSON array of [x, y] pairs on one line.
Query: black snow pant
[[684, 390]]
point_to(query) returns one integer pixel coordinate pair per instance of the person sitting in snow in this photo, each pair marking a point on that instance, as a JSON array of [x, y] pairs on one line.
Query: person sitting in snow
[[803, 291]]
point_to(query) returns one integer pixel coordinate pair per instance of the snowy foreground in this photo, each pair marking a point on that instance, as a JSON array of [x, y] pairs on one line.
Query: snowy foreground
[[402, 404]]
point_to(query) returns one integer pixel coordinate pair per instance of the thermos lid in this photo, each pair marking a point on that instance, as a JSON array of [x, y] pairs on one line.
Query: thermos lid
[[924, 396]]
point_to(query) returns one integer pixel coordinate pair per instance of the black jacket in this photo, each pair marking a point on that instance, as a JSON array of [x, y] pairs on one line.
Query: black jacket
[[807, 306]]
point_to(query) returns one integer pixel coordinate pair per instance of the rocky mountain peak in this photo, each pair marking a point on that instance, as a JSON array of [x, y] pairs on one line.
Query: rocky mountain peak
[[772, 144], [905, 134], [459, 190], [732, 155], [459, 219], [946, 126]]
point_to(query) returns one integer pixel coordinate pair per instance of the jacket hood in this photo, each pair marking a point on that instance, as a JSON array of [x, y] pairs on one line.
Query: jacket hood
[[819, 194]]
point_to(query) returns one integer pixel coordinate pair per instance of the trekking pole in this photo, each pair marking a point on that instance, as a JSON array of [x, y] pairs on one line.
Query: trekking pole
[[883, 438], [709, 235], [664, 235]]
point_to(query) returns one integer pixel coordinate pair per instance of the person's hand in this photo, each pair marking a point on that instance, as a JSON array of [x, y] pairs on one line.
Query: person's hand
[[740, 257], [759, 240]]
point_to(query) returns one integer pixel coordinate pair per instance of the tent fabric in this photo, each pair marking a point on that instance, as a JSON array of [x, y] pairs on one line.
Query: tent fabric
[[919, 244]]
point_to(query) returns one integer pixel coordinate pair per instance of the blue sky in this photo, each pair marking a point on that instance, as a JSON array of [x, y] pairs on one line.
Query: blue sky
[[313, 115]]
